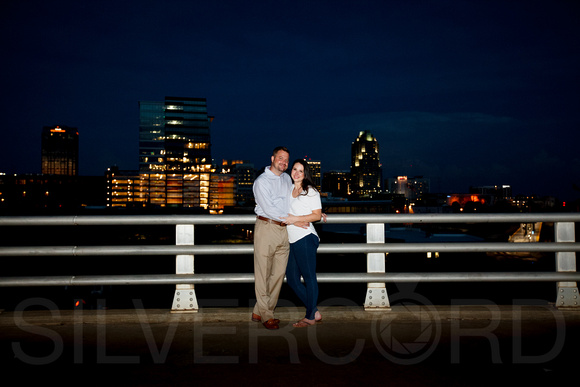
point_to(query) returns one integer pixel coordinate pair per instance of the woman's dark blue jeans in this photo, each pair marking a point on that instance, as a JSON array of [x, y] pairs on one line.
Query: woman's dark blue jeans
[[302, 262]]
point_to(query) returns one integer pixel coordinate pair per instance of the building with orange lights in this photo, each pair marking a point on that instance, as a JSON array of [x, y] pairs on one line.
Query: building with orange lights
[[60, 151], [175, 165]]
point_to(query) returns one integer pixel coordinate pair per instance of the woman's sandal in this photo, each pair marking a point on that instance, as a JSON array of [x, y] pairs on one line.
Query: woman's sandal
[[303, 323]]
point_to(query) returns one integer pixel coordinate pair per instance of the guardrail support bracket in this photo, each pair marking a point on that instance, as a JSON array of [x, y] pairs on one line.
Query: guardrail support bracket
[[376, 298], [184, 299], [566, 262]]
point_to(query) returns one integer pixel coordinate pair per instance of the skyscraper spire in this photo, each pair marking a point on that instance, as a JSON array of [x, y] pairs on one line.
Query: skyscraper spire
[[365, 168]]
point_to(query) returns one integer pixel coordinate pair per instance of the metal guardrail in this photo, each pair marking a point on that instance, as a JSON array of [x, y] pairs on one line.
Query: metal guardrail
[[565, 248], [329, 248], [127, 220]]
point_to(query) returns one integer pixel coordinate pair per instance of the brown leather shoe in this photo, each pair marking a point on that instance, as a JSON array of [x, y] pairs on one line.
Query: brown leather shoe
[[271, 324], [258, 318]]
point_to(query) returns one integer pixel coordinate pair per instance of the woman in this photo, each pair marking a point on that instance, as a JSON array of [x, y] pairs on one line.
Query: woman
[[305, 206]]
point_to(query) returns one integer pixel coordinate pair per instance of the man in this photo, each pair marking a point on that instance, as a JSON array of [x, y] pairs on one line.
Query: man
[[272, 192]]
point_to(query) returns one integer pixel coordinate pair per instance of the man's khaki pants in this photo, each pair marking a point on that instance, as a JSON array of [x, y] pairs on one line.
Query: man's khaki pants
[[271, 250]]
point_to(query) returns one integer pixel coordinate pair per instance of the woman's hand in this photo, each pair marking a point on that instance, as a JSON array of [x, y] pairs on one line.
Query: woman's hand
[[302, 221], [290, 219], [297, 221]]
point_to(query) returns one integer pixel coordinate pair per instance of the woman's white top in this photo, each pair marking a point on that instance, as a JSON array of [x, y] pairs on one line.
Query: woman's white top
[[303, 205]]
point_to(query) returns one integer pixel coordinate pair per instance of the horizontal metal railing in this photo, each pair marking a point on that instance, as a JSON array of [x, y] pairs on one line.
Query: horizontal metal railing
[[239, 278], [128, 220], [565, 248], [329, 248]]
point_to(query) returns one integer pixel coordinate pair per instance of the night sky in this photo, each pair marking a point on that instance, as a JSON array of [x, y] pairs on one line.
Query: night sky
[[463, 92]]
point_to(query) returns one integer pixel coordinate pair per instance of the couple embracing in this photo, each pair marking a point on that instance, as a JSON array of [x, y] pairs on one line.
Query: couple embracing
[[285, 241]]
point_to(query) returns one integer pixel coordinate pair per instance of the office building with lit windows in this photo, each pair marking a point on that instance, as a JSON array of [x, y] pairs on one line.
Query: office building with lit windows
[[336, 183], [244, 175], [410, 187], [315, 172], [365, 168], [174, 135], [174, 157], [59, 186], [60, 151]]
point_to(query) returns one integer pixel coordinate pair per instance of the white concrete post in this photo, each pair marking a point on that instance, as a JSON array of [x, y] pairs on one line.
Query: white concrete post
[[184, 299], [566, 262], [376, 298]]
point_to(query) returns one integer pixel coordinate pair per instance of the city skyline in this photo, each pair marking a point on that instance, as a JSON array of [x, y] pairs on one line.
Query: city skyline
[[466, 93], [384, 179]]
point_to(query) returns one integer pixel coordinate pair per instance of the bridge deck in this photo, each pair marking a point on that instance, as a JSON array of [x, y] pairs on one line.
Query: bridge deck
[[416, 345]]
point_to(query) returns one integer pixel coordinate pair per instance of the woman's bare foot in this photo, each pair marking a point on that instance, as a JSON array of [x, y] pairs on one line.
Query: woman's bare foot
[[317, 316], [304, 323]]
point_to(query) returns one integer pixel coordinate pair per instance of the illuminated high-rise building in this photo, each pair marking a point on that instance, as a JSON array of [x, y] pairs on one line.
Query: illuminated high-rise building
[[365, 168], [410, 187], [174, 135], [60, 151], [315, 173], [244, 174], [175, 165]]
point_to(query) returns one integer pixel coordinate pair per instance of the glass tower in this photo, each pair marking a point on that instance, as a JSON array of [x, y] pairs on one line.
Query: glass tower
[[151, 136], [174, 135], [175, 151]]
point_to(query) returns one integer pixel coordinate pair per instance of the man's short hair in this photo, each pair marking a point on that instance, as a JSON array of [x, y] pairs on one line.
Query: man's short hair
[[280, 148]]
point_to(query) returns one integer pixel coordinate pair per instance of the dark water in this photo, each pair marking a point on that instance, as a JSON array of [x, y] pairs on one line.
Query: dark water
[[161, 296]]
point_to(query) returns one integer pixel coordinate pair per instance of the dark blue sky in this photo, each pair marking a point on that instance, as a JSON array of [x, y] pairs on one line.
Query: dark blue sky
[[464, 92]]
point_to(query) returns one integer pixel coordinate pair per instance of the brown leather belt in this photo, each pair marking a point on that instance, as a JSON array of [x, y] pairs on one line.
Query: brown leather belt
[[271, 221]]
